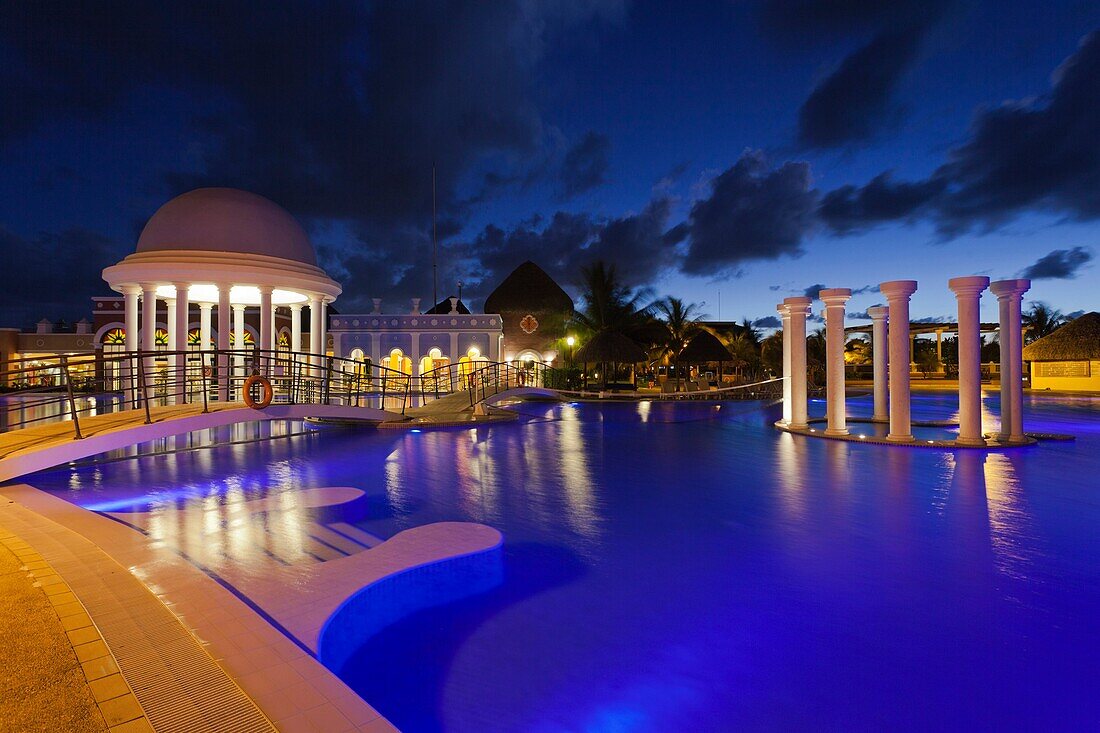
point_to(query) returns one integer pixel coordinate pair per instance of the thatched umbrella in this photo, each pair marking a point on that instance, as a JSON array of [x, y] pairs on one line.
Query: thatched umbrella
[[610, 346], [705, 347], [1078, 340]]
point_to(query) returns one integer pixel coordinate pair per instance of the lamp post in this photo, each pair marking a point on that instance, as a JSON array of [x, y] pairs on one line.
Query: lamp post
[[569, 341]]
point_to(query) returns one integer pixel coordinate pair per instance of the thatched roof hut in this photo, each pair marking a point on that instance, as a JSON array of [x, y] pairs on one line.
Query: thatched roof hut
[[529, 289], [610, 346], [704, 347], [1078, 340]]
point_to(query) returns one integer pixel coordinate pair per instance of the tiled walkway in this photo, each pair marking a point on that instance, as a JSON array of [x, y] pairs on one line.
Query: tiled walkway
[[196, 656]]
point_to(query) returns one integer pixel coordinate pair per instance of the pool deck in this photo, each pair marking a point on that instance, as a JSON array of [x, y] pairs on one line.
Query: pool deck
[[198, 652]]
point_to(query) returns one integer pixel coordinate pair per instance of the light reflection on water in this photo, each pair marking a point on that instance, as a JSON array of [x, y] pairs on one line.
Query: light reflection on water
[[676, 567]]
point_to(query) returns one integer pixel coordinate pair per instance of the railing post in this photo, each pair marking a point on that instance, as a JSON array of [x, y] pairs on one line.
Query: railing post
[[72, 399], [142, 377], [202, 365], [327, 392]]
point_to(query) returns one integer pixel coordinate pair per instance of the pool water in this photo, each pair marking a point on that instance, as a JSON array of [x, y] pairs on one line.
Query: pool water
[[686, 567]]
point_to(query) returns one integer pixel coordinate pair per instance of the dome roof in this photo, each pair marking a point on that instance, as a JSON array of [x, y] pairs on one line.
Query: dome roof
[[226, 220], [528, 288]]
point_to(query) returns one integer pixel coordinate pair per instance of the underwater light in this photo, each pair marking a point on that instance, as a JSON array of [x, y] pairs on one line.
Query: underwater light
[[415, 430]]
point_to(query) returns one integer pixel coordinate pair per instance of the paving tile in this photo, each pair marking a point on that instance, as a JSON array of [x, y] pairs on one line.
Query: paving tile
[[108, 688], [69, 609], [83, 636], [141, 725], [91, 650], [327, 718], [76, 621], [120, 710], [98, 668], [62, 598]]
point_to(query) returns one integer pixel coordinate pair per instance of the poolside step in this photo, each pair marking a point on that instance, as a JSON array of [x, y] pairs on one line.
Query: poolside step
[[346, 544], [366, 539]]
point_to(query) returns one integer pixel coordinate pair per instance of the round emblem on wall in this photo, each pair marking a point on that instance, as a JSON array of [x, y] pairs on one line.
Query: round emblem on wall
[[412, 322], [374, 322], [454, 321], [355, 322], [80, 342], [335, 322], [529, 324], [435, 321], [393, 322], [473, 321], [40, 342]]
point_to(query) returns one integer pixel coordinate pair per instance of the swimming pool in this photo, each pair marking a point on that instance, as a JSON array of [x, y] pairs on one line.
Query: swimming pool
[[685, 567]]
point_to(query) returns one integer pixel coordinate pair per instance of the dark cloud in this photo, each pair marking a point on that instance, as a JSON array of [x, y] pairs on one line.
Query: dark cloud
[[640, 245], [814, 290], [585, 164], [337, 113], [30, 291], [850, 209], [754, 212], [851, 103], [1042, 154], [767, 322], [774, 288], [859, 316], [1061, 264]]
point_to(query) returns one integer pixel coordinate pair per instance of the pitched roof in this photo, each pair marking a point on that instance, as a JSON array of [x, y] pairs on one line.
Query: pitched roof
[[611, 346], [1077, 340], [704, 347], [528, 287], [444, 306]]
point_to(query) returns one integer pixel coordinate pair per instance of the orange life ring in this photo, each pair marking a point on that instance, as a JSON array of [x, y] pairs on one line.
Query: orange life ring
[[208, 371], [247, 392]]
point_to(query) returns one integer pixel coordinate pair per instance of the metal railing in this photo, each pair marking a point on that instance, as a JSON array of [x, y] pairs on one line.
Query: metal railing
[[481, 380], [35, 390]]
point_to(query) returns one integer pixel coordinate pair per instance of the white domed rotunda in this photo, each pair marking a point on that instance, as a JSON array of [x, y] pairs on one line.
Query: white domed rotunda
[[228, 250]]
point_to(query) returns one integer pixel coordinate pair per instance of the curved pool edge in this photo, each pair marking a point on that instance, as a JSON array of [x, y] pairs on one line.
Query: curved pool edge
[[427, 579]]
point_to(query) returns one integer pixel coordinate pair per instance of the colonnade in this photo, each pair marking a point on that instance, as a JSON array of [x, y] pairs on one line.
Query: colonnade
[[890, 346], [178, 322]]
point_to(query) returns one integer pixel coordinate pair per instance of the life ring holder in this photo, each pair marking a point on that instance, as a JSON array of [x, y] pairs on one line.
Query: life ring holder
[[268, 395]]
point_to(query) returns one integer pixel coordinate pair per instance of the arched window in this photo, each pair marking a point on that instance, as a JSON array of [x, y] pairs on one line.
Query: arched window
[[115, 337], [248, 339]]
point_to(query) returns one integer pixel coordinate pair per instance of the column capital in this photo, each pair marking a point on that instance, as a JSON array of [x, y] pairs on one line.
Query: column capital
[[1009, 288], [878, 312], [238, 307], [783, 310], [835, 297], [968, 286], [266, 289], [182, 286], [296, 307], [893, 289], [798, 305], [130, 289]]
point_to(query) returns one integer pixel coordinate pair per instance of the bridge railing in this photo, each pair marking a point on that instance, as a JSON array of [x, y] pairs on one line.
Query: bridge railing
[[36, 390], [483, 379]]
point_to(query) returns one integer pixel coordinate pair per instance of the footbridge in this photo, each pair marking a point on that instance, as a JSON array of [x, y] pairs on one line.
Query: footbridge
[[64, 408]]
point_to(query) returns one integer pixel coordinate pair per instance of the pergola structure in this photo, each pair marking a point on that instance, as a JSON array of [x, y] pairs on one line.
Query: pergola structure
[[228, 250], [924, 328], [891, 327]]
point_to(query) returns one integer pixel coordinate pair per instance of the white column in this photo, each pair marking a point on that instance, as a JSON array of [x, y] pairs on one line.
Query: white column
[[897, 294], [1009, 296], [324, 328], [123, 369], [179, 361], [170, 319], [266, 319], [238, 339], [275, 327], [296, 328], [879, 352], [224, 311], [205, 312], [148, 327], [799, 308], [785, 316], [968, 293], [834, 299], [315, 318]]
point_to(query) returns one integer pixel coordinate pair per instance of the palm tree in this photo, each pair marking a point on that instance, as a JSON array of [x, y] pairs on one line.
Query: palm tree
[[609, 305], [681, 321], [1041, 320], [750, 332]]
